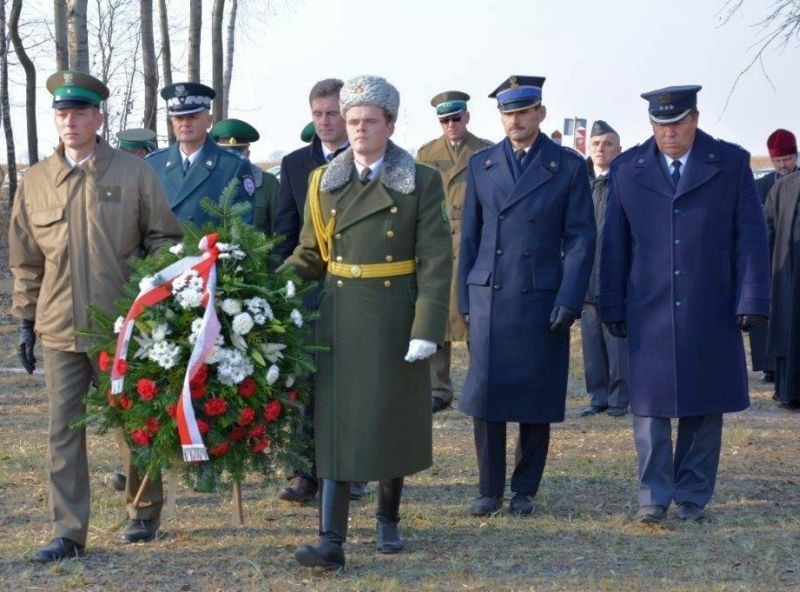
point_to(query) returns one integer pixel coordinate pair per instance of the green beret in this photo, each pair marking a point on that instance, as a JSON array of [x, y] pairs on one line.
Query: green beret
[[449, 102], [71, 88], [308, 132], [137, 138], [230, 133]]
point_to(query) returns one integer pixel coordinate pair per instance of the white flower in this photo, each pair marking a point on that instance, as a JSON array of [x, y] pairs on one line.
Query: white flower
[[238, 342], [160, 332], [118, 324], [242, 323], [296, 317], [196, 325], [272, 374], [260, 309], [228, 251], [290, 381], [165, 354], [231, 306], [232, 366], [176, 249], [272, 351], [291, 291], [189, 298]]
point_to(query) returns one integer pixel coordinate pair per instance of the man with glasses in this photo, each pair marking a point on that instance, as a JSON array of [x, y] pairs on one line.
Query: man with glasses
[[449, 154]]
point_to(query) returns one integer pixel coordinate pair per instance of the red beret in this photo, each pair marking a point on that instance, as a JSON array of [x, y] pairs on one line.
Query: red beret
[[781, 142]]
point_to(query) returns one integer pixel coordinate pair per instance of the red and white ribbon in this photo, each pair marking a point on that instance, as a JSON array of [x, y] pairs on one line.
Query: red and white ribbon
[[205, 265]]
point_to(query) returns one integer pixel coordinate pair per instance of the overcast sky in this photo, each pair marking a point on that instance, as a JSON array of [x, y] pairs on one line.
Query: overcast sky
[[597, 56]]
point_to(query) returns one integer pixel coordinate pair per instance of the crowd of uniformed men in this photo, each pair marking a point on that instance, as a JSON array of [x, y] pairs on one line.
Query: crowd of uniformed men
[[662, 251]]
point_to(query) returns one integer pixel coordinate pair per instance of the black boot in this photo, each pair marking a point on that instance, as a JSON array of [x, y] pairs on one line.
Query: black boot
[[334, 503], [388, 515]]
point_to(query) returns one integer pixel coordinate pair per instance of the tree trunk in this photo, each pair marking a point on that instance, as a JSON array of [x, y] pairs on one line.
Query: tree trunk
[[30, 81], [149, 66], [6, 108], [166, 57], [217, 12], [60, 26], [226, 83], [78, 36], [195, 28]]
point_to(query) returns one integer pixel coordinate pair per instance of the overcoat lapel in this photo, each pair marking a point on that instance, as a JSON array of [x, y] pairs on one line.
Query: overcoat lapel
[[703, 164], [499, 173], [363, 202], [538, 172], [649, 171]]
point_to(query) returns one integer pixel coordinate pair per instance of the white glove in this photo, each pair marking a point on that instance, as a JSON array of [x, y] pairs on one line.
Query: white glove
[[419, 349]]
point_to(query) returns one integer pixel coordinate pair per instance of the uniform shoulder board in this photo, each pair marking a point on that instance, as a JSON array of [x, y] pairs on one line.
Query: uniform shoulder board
[[154, 152], [484, 149], [426, 144]]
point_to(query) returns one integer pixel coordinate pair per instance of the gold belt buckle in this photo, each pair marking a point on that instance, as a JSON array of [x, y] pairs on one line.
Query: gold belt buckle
[[355, 271]]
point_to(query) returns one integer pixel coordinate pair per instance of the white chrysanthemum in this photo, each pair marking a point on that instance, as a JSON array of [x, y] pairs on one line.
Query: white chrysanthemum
[[296, 317], [233, 367], [272, 374], [215, 355], [165, 354], [231, 306], [189, 298], [290, 381], [242, 323], [272, 351], [160, 332], [260, 309], [176, 249], [291, 290], [196, 325], [118, 324]]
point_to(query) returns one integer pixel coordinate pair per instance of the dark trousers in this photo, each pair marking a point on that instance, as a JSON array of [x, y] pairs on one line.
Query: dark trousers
[[687, 476], [441, 385], [783, 386], [490, 446], [758, 349], [306, 431], [605, 362]]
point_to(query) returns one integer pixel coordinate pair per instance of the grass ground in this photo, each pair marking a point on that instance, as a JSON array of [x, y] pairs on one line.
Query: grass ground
[[581, 536]]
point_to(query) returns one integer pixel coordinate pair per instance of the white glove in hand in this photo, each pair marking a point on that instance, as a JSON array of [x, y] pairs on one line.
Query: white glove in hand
[[419, 349]]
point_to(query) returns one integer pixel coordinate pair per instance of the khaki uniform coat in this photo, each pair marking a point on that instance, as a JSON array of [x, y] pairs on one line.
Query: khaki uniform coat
[[73, 233], [372, 408], [440, 155]]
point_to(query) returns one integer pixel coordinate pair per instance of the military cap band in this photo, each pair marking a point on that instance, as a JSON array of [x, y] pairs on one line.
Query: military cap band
[[137, 139], [450, 107], [672, 103], [71, 88], [518, 92], [186, 98], [449, 102]]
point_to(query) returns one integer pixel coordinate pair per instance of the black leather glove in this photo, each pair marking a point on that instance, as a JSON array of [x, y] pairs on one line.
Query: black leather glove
[[617, 329], [748, 321], [561, 319], [27, 339]]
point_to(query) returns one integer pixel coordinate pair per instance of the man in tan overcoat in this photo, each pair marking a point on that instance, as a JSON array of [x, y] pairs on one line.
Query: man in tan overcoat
[[450, 153], [79, 216], [374, 232]]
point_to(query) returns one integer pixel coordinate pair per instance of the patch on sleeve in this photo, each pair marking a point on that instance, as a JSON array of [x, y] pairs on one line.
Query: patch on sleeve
[[444, 212], [249, 184]]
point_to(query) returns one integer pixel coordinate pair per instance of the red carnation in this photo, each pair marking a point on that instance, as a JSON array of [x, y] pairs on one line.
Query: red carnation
[[219, 449], [105, 361], [257, 432], [247, 387], [141, 437], [125, 402], [172, 410], [247, 416], [147, 389], [202, 427], [200, 376], [238, 433], [153, 425], [260, 445], [215, 406], [122, 366], [272, 411], [292, 395], [197, 390]]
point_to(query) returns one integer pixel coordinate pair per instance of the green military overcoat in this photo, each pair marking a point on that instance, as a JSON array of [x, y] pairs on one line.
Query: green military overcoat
[[439, 154], [265, 197], [372, 408]]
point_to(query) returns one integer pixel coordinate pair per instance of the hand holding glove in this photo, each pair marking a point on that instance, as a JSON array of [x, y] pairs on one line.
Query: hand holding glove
[[27, 339], [419, 349], [561, 319]]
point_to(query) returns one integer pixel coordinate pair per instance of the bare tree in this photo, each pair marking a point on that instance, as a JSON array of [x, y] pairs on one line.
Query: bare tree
[[77, 35], [166, 57], [30, 81], [217, 13], [226, 82], [149, 66], [195, 28], [60, 25], [6, 107]]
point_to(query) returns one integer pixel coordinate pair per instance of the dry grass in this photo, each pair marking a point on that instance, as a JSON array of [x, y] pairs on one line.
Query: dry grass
[[581, 536]]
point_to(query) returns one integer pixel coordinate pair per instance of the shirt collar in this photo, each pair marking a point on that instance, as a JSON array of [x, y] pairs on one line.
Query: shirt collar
[[375, 167]]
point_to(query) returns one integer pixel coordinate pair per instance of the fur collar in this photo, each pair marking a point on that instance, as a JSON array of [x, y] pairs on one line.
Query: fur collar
[[398, 171]]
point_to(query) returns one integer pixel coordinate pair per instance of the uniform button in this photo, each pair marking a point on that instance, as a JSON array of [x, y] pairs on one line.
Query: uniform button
[[339, 283], [497, 286], [677, 241], [333, 212], [527, 253], [499, 251], [390, 233], [677, 210], [678, 272], [501, 217], [525, 290], [389, 258], [388, 283], [393, 209], [338, 235], [678, 303], [339, 258]]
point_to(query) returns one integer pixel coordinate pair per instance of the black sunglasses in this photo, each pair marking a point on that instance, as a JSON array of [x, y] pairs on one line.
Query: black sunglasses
[[446, 120]]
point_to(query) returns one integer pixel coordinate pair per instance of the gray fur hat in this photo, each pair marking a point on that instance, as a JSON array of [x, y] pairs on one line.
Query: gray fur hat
[[369, 90]]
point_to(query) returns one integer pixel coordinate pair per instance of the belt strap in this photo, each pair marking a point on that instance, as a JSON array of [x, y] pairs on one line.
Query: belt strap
[[372, 270]]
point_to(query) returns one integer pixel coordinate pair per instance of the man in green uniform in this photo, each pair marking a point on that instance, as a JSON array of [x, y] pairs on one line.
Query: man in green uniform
[[78, 218], [449, 153], [237, 135], [374, 232], [139, 141]]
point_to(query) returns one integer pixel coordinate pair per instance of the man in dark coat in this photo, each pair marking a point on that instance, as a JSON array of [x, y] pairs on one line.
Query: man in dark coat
[[783, 224], [527, 244], [683, 269], [782, 147], [605, 357]]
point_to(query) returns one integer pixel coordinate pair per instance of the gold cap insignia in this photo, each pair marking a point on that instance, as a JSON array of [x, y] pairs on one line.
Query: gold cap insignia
[[664, 98]]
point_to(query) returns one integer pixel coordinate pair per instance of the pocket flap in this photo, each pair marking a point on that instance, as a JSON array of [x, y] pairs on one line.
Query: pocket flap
[[479, 277], [47, 217]]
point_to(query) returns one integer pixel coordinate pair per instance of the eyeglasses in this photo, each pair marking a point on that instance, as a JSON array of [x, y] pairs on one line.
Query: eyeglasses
[[453, 118]]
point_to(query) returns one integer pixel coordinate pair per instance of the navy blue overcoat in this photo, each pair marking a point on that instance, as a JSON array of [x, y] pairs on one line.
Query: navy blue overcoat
[[525, 246], [679, 264], [211, 172]]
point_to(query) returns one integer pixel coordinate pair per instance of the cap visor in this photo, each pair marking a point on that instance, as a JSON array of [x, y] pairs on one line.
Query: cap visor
[[669, 118], [187, 111]]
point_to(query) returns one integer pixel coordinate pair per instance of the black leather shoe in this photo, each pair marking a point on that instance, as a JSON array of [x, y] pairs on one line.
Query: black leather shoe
[[58, 549], [651, 514], [617, 411], [438, 404], [591, 410], [486, 505], [357, 489], [387, 538], [690, 511], [116, 481], [324, 553], [140, 531], [300, 490], [521, 504]]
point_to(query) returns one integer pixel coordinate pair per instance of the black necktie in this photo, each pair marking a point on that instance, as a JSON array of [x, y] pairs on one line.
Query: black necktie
[[186, 164], [520, 156], [676, 171], [364, 176]]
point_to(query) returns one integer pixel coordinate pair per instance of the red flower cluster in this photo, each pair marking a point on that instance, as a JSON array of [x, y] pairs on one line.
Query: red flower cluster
[[104, 362], [172, 410], [197, 385], [202, 427], [125, 402], [247, 416], [215, 406], [219, 449], [272, 411], [153, 425], [122, 366], [147, 389], [260, 445], [247, 387], [141, 437]]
